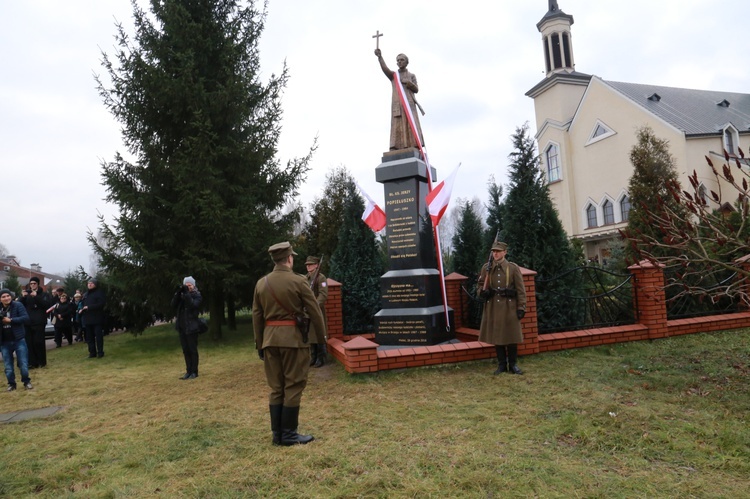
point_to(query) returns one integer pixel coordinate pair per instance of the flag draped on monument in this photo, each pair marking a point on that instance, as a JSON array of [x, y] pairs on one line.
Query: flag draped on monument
[[435, 231]]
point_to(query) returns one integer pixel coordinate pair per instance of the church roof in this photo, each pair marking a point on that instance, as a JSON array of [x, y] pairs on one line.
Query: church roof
[[695, 112]]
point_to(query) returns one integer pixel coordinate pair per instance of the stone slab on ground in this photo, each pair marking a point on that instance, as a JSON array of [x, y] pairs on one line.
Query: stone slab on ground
[[13, 417]]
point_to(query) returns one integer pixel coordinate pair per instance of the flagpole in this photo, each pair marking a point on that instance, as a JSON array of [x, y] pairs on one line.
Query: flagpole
[[435, 231]]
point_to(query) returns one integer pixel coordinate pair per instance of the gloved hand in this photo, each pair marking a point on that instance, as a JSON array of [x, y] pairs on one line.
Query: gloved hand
[[485, 294], [520, 314], [260, 353]]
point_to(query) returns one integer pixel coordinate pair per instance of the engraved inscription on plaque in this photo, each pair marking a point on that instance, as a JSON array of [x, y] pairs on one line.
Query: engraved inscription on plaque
[[403, 294], [407, 330]]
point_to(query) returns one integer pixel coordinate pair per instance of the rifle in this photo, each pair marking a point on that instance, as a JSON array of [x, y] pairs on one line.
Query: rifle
[[314, 280]]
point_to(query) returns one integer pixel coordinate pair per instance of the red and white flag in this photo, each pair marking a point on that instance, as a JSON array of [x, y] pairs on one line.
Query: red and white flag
[[374, 216], [439, 197]]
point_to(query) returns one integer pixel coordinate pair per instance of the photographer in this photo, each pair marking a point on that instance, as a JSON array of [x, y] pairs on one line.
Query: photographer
[[186, 302], [13, 317], [501, 285], [92, 313], [36, 302]]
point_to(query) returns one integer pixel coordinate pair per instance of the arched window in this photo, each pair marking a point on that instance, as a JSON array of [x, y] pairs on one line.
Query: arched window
[[609, 212], [552, 156], [625, 208], [591, 216], [729, 140]]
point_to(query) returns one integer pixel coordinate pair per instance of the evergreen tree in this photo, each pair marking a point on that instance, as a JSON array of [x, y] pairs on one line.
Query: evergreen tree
[[321, 234], [533, 231], [12, 283], [203, 194], [357, 264], [653, 171], [468, 251], [75, 279], [494, 213]]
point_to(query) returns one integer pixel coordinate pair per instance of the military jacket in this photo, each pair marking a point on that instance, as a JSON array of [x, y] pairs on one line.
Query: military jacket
[[294, 293], [500, 324], [320, 290]]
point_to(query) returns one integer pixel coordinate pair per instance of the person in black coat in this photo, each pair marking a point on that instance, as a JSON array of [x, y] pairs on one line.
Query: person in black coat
[[186, 303], [64, 312], [36, 302], [93, 315]]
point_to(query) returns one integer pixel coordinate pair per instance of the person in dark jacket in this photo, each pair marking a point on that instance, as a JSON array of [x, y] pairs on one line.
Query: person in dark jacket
[[13, 339], [64, 312], [187, 303], [93, 316], [36, 302]]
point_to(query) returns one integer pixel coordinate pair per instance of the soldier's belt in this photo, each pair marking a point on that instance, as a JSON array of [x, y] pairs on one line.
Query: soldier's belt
[[281, 323]]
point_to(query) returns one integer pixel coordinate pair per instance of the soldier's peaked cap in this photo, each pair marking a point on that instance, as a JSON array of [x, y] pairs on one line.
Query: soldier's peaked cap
[[281, 250], [312, 260], [498, 246]]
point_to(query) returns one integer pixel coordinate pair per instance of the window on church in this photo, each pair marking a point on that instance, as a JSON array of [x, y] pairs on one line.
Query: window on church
[[729, 141], [566, 50], [553, 163], [625, 208], [702, 194], [599, 132], [546, 54], [591, 216], [609, 212], [556, 54]]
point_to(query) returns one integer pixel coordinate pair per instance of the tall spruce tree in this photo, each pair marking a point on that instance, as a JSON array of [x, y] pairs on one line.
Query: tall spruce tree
[[203, 193], [468, 250], [321, 234], [358, 265], [494, 213], [653, 170], [533, 231]]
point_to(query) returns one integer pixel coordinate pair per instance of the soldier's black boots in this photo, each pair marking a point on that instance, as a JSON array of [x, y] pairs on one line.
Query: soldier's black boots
[[313, 354], [502, 360], [289, 423], [275, 411], [513, 359], [320, 359]]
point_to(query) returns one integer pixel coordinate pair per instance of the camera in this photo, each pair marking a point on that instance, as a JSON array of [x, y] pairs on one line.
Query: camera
[[3, 314]]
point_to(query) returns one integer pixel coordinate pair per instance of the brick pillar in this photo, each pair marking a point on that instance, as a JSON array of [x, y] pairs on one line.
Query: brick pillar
[[457, 299], [649, 295], [529, 324], [334, 310], [744, 287]]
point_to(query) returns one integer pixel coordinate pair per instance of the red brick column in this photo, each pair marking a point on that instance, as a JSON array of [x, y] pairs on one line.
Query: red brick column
[[457, 299], [334, 310], [529, 324], [649, 295]]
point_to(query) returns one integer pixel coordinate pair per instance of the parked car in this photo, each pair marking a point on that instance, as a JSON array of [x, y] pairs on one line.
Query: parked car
[[49, 330]]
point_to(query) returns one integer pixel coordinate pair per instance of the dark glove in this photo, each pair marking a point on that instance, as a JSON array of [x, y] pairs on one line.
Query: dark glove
[[260, 353], [520, 313], [485, 294]]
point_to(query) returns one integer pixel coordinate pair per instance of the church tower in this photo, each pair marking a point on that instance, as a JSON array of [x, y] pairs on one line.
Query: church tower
[[558, 46]]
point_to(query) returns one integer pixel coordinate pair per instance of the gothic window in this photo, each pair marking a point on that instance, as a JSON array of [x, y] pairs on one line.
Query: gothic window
[[625, 208], [557, 62], [591, 216], [730, 140], [609, 212], [553, 163]]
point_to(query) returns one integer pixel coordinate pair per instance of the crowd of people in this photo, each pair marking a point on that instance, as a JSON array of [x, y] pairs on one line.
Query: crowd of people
[[24, 319]]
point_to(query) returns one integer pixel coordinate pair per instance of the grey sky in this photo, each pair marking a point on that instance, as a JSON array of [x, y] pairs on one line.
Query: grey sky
[[474, 61]]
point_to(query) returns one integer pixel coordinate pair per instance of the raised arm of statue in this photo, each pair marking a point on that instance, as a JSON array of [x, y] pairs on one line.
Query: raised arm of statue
[[383, 66]]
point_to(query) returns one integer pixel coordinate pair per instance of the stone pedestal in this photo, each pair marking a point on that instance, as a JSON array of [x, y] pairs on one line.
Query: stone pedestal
[[412, 308]]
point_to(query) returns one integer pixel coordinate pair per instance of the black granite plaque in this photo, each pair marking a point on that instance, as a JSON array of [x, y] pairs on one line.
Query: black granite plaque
[[411, 298]]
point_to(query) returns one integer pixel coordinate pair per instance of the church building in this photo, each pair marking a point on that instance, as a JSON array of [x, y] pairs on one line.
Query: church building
[[586, 128]]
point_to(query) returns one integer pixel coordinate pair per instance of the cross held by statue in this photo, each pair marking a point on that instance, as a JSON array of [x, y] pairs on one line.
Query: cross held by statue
[[377, 36]]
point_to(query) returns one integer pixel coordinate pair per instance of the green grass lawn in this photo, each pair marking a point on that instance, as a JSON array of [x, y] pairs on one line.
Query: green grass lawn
[[650, 419]]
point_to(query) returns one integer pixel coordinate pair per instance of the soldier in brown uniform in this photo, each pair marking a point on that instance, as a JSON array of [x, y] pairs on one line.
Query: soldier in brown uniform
[[278, 297], [320, 289], [504, 308]]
